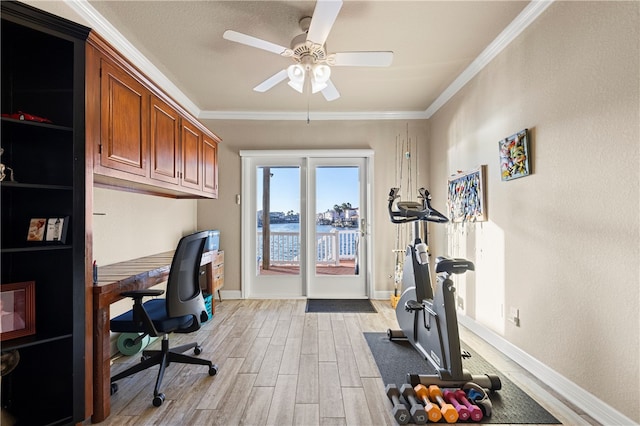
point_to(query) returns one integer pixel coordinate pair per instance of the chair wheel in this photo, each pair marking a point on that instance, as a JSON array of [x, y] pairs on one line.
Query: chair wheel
[[158, 400], [114, 388], [213, 370], [197, 350]]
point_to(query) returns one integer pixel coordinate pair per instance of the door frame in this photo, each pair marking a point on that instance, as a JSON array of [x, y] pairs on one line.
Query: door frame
[[248, 159]]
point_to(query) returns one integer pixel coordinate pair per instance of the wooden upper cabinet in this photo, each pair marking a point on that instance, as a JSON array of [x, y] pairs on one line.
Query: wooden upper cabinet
[[210, 166], [165, 142], [145, 141], [191, 156], [124, 111]]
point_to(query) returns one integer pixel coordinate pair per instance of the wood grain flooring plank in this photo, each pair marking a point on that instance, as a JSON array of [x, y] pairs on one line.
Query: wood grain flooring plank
[[268, 374], [347, 367], [255, 356], [355, 409], [326, 346], [223, 382], [377, 401], [306, 415], [259, 401], [291, 356], [283, 403], [310, 335], [307, 389], [330, 394]]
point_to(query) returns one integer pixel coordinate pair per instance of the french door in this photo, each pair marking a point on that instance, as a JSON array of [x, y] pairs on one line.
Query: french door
[[305, 223]]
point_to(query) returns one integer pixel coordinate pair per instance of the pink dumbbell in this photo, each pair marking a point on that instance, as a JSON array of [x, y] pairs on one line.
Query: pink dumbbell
[[463, 413], [474, 410]]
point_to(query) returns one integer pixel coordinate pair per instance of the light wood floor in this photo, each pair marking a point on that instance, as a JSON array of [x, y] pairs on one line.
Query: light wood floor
[[282, 366]]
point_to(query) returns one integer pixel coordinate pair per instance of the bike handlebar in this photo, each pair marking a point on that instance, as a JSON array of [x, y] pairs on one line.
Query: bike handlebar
[[411, 211]]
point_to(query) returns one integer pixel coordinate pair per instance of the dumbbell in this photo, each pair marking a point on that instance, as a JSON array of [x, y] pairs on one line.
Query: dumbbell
[[463, 412], [478, 396], [399, 411], [418, 415], [474, 411], [433, 412], [448, 411]]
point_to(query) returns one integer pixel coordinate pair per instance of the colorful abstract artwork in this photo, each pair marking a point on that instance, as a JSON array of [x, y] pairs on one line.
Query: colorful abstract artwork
[[514, 156], [466, 200]]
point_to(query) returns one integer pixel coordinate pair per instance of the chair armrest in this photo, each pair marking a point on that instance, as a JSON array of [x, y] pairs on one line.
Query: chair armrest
[[135, 294]]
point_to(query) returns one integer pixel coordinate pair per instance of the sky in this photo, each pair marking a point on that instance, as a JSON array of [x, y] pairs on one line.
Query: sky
[[334, 185]]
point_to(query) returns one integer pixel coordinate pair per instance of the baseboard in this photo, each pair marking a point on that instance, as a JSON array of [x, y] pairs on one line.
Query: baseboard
[[230, 294], [594, 407], [382, 295]]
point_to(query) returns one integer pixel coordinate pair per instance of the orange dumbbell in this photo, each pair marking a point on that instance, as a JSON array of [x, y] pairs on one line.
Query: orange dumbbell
[[433, 413], [448, 411]]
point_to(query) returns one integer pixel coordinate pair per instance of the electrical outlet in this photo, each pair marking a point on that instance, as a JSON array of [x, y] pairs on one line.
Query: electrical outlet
[[514, 316], [460, 303]]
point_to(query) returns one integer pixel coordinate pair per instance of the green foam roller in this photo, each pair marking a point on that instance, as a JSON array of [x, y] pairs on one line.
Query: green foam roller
[[128, 346]]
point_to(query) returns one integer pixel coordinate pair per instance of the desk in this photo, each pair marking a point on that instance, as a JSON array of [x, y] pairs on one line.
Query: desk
[[113, 279]]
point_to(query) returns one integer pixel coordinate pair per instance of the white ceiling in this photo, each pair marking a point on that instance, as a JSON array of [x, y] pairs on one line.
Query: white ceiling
[[180, 43]]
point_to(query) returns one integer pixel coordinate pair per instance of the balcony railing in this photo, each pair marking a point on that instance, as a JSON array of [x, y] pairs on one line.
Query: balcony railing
[[331, 247]]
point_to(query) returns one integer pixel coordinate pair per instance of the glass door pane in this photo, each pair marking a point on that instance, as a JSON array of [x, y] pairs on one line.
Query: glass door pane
[[278, 238], [337, 246], [337, 220]]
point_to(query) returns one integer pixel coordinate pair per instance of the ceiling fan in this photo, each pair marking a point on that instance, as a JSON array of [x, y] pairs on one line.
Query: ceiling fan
[[312, 64]]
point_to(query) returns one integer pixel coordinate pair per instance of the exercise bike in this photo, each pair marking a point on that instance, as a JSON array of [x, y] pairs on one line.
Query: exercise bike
[[427, 315]]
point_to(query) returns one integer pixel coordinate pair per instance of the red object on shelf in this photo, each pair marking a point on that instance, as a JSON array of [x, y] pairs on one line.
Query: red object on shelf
[[27, 117]]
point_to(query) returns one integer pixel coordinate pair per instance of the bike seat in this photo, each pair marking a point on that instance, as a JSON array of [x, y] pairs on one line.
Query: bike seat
[[453, 265]]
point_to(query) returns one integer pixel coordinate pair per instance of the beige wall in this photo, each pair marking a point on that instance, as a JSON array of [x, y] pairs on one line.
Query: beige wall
[[224, 213], [127, 225], [561, 245]]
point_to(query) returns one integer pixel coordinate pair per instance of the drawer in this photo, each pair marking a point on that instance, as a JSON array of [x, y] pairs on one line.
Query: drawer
[[217, 257]]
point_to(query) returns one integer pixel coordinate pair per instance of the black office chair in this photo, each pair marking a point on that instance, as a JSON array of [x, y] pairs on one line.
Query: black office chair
[[182, 311]]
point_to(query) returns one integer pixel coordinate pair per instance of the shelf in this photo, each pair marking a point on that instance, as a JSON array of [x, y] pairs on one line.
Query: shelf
[[35, 248], [10, 184], [36, 124], [24, 342]]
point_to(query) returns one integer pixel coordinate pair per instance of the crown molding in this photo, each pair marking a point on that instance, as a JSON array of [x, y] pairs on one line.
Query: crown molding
[[529, 14], [312, 116], [120, 43]]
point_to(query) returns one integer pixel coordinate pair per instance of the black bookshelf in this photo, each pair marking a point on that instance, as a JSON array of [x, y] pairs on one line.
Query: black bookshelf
[[43, 74]]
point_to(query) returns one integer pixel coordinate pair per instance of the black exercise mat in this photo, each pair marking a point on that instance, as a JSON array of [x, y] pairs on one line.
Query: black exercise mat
[[510, 404], [340, 305]]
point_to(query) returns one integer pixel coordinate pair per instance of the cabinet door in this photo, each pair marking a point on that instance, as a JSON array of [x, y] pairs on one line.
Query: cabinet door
[[191, 175], [124, 112], [210, 166], [165, 142]]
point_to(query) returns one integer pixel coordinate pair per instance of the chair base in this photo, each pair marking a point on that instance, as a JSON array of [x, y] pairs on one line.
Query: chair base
[[163, 358]]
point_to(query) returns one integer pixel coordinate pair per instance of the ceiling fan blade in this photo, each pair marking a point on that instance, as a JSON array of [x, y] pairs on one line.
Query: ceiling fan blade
[[256, 42], [271, 81], [322, 20], [361, 59], [330, 92]]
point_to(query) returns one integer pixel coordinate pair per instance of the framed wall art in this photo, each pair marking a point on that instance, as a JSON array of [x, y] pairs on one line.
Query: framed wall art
[[17, 310], [466, 199], [515, 161], [57, 229], [37, 227], [48, 230]]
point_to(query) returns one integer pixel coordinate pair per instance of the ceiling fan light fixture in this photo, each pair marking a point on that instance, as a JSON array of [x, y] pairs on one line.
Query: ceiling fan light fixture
[[321, 73], [296, 75]]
